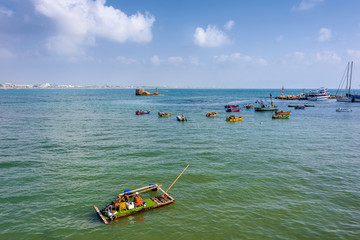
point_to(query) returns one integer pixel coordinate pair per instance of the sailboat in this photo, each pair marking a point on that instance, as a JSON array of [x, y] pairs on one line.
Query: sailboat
[[264, 107], [348, 97]]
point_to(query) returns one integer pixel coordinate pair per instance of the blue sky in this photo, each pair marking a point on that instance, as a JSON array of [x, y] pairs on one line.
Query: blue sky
[[163, 43]]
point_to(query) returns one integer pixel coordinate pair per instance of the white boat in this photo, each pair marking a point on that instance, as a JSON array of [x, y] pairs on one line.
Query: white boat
[[348, 97], [343, 110], [317, 95]]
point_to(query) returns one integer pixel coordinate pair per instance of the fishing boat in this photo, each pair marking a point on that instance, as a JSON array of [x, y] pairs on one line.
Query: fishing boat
[[123, 209], [231, 106], [309, 105], [317, 95], [213, 114], [249, 106], [181, 118], [233, 109], [142, 112], [343, 110], [167, 114], [233, 118], [263, 107], [282, 116], [300, 107], [348, 97], [282, 113]]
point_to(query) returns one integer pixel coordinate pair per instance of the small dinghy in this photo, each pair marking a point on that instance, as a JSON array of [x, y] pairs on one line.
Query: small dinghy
[[142, 112], [343, 110], [181, 118]]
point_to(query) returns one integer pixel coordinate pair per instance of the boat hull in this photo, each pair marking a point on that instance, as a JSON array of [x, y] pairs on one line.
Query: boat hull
[[141, 113], [164, 114], [355, 98], [282, 113], [259, 109], [234, 119], [213, 114], [232, 110], [280, 116], [343, 110], [181, 119], [317, 98]]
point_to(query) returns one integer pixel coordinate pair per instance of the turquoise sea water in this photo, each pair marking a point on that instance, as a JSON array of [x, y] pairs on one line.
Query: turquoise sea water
[[62, 151]]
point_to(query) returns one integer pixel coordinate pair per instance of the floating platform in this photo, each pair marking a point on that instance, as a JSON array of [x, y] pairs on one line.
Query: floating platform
[[151, 203]]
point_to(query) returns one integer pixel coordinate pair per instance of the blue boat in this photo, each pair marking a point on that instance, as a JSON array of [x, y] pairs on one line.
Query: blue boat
[[142, 112]]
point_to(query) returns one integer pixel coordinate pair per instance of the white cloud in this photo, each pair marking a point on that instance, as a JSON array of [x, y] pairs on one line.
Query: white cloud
[[306, 5], [211, 37], [125, 60], [5, 11], [155, 60], [327, 57], [353, 54], [174, 61], [324, 34], [80, 22], [229, 25], [6, 54], [238, 57], [194, 60]]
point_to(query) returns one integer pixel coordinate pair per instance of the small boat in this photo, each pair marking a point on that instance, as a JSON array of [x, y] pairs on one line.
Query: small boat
[[343, 110], [282, 113], [309, 105], [291, 105], [300, 107], [263, 107], [123, 209], [249, 106], [283, 116], [233, 118], [213, 114], [181, 118], [142, 112], [167, 114], [233, 109], [231, 106]]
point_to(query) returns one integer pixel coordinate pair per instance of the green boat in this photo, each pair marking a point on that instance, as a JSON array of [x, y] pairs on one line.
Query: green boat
[[281, 116], [263, 107], [309, 105], [291, 105], [167, 114]]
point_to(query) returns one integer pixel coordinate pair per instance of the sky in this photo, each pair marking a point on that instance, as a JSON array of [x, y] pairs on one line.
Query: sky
[[186, 44]]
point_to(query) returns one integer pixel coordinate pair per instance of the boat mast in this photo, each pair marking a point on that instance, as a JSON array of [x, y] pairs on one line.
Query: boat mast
[[350, 76], [347, 78]]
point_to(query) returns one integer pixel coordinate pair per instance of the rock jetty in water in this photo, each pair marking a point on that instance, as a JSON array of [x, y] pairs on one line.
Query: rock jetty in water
[[142, 92]]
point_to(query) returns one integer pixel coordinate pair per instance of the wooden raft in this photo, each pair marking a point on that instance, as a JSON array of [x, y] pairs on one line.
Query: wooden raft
[[160, 201]]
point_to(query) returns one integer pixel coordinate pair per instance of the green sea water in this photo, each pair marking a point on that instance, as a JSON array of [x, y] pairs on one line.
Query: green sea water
[[64, 150]]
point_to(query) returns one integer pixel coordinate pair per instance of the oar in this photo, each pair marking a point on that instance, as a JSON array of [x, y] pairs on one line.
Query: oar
[[177, 179]]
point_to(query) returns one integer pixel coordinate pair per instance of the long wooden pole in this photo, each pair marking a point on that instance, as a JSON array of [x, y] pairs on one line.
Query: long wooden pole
[[177, 178]]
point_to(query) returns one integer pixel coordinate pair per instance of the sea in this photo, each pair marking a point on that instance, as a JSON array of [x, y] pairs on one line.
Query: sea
[[62, 151]]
